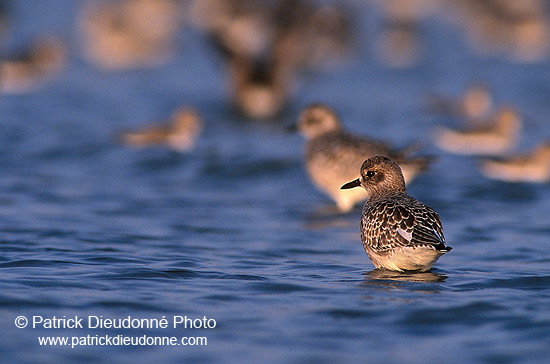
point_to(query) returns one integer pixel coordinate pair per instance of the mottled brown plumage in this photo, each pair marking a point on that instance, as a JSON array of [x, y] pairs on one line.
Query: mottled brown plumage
[[398, 232], [497, 137], [332, 155], [179, 134], [532, 167]]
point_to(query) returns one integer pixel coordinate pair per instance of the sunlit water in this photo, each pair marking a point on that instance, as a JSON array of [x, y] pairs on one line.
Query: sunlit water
[[234, 231]]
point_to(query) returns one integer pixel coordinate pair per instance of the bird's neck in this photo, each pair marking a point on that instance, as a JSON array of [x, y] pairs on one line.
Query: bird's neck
[[385, 194]]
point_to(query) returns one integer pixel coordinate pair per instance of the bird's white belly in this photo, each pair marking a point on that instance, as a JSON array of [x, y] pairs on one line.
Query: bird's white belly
[[405, 259]]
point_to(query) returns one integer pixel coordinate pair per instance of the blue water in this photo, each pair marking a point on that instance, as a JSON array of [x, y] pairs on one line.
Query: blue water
[[234, 231]]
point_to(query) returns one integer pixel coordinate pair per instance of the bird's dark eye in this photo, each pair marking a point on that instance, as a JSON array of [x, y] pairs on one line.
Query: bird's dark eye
[[370, 173]]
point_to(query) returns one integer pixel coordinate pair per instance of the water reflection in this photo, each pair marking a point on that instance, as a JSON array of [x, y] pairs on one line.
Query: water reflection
[[378, 276]]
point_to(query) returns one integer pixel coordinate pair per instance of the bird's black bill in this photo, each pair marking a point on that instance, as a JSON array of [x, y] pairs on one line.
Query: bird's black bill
[[352, 184]]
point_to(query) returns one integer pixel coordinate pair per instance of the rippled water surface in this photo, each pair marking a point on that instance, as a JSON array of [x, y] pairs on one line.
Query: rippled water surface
[[234, 231]]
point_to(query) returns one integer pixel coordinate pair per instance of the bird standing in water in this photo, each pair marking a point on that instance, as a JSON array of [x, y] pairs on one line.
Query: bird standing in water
[[399, 233], [332, 155]]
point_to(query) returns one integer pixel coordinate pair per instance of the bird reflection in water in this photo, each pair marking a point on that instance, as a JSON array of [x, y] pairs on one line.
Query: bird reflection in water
[[389, 278]]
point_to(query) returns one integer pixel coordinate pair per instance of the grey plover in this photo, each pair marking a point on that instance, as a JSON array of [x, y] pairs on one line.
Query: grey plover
[[332, 155], [399, 233], [400, 43], [259, 88], [129, 33], [474, 105], [531, 167], [496, 138], [302, 32], [517, 30], [41, 62], [268, 43], [179, 134]]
